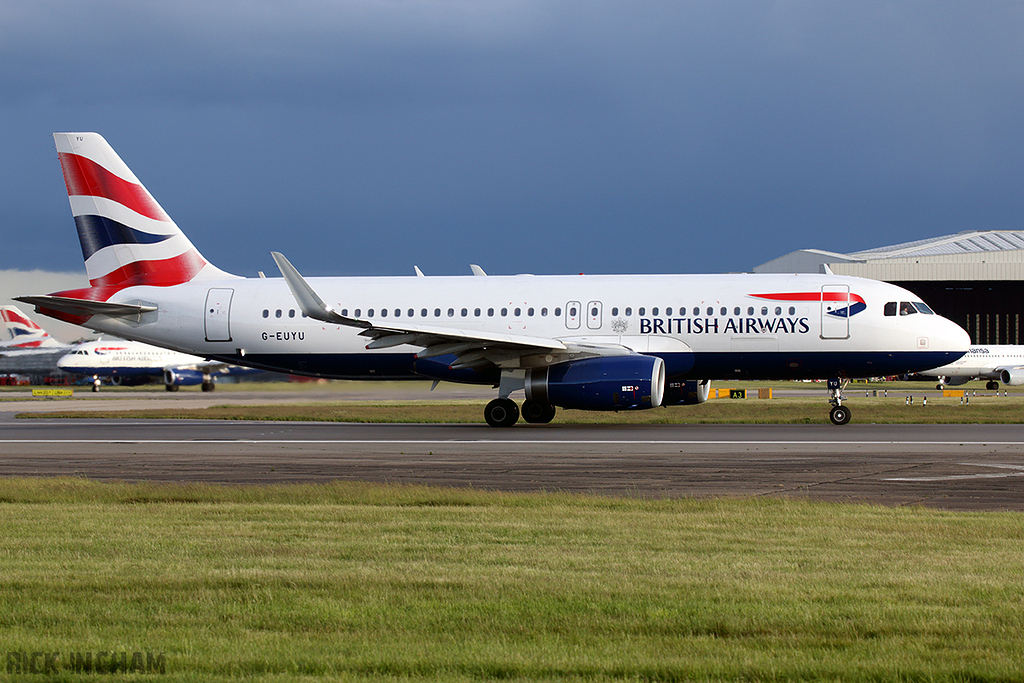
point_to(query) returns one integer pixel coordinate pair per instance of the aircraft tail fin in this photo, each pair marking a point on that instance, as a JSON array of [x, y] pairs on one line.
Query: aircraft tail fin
[[127, 238], [21, 332]]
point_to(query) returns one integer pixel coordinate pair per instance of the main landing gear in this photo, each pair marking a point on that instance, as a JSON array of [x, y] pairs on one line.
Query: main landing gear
[[503, 412], [840, 414]]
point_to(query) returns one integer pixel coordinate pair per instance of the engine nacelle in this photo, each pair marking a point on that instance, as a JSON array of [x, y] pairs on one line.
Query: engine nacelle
[[183, 378], [1012, 377], [687, 393], [632, 382]]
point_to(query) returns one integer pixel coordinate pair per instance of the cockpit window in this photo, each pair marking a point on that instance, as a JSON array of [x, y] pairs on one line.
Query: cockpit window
[[890, 308], [907, 308], [923, 308]]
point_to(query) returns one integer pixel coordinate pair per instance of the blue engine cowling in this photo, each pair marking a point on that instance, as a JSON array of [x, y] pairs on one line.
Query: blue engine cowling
[[687, 392], [183, 378], [632, 382]]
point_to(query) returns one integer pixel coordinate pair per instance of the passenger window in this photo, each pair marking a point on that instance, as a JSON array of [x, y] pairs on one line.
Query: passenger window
[[465, 312], [277, 313], [572, 312], [750, 310], [682, 310], [476, 312], [291, 312], [724, 310], [344, 313], [383, 312], [504, 312], [654, 311], [451, 312], [369, 313], [710, 311], [529, 312], [792, 310], [668, 311], [412, 313], [615, 310], [359, 313], [641, 311], [764, 310], [558, 312], [519, 312], [778, 310], [490, 312], [266, 313], [736, 311], [543, 312], [423, 313], [629, 310]]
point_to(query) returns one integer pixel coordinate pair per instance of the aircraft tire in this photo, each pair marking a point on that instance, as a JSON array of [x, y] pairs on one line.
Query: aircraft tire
[[992, 386], [501, 412], [171, 387], [208, 386], [839, 415], [537, 413]]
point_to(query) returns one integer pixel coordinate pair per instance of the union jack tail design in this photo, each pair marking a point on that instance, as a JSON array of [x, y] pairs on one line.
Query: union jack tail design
[[127, 239], [22, 332]]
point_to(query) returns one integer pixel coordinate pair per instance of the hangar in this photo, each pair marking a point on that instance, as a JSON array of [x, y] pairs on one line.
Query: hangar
[[975, 278]]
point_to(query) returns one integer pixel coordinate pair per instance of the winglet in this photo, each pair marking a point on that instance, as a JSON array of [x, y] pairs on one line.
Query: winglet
[[308, 300], [477, 270]]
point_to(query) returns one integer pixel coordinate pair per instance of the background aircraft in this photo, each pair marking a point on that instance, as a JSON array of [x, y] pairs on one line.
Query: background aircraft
[[996, 363], [131, 363], [601, 342], [21, 333]]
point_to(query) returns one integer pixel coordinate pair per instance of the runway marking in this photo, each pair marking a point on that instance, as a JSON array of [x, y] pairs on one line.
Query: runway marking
[[1018, 473], [596, 442]]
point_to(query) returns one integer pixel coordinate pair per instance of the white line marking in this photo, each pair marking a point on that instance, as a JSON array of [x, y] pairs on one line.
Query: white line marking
[[601, 442], [1018, 472]]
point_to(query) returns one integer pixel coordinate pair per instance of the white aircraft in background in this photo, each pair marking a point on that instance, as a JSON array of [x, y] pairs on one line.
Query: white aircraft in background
[[996, 363], [604, 342], [131, 362], [23, 335]]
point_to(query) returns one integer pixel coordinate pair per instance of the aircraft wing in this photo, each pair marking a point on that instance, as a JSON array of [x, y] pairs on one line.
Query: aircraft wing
[[473, 348]]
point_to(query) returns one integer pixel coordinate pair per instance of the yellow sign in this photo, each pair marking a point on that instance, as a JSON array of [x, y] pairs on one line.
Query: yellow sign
[[54, 393]]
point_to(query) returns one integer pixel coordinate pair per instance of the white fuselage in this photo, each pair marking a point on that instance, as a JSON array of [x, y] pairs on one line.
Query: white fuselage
[[995, 362], [702, 326]]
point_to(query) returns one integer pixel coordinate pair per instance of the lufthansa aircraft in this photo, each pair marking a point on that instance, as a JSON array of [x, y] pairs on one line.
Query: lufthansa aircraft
[[600, 342], [996, 363]]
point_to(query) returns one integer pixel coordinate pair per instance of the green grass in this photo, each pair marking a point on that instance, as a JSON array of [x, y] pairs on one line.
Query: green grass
[[800, 410], [365, 582]]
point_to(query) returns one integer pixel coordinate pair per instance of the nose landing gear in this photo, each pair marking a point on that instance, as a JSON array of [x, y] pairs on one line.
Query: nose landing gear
[[840, 414]]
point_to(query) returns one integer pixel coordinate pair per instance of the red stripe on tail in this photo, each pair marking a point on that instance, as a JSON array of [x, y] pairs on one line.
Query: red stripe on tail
[[85, 177]]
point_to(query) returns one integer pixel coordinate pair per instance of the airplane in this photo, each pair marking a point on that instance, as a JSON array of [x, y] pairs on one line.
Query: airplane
[[131, 363], [591, 342], [996, 363], [24, 334]]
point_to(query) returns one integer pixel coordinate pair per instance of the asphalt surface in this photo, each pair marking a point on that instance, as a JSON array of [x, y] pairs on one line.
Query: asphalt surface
[[965, 467]]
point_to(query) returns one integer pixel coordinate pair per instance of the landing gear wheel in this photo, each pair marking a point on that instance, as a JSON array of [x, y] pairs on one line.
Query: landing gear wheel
[[839, 415], [538, 413], [208, 386], [992, 386], [171, 387], [501, 412], [940, 387]]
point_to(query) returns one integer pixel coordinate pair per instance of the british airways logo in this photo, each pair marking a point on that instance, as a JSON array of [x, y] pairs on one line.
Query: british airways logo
[[836, 304], [778, 325]]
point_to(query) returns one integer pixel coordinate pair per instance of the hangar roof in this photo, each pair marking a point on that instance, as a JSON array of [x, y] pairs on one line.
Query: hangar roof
[[969, 255]]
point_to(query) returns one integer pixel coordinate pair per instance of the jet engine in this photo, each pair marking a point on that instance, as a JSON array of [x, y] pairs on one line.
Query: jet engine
[[687, 393], [181, 377], [631, 382], [1012, 376]]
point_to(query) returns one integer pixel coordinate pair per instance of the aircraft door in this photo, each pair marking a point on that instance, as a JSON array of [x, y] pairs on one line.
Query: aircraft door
[[572, 315], [218, 314], [835, 311], [594, 315]]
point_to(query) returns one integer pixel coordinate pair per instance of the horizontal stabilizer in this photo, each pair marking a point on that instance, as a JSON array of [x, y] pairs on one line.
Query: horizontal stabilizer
[[85, 307]]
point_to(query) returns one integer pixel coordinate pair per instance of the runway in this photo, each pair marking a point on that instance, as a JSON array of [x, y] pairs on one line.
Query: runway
[[966, 467]]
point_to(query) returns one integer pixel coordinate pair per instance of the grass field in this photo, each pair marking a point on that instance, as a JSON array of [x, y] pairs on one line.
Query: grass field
[[361, 582], [800, 410]]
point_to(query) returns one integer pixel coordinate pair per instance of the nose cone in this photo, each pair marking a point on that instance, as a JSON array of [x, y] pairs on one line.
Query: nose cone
[[64, 362], [949, 339]]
